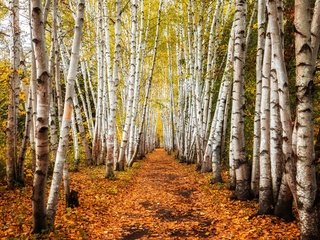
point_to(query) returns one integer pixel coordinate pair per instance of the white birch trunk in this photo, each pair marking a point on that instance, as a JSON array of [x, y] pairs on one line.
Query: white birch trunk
[[259, 60], [265, 185], [87, 99], [76, 159], [148, 85], [213, 148], [78, 116], [11, 131], [42, 122], [221, 111], [210, 69], [133, 55], [112, 102], [98, 131], [67, 113], [242, 190], [285, 114], [276, 156], [136, 86], [305, 70]]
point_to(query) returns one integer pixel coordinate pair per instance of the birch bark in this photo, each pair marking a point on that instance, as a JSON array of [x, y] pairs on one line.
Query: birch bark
[[259, 60], [285, 114], [214, 145], [66, 120], [265, 187], [133, 55], [305, 68], [42, 122], [11, 131], [149, 82], [242, 190]]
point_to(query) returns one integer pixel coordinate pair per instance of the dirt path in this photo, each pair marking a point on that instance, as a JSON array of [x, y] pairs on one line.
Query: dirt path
[[158, 198], [169, 200], [165, 202]]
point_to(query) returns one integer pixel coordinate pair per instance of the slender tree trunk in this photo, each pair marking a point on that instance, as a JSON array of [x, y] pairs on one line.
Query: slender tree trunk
[[42, 123], [265, 184], [98, 131], [276, 156], [13, 108], [259, 63], [66, 182], [76, 160], [52, 113], [242, 190], [87, 97], [112, 98], [33, 84], [210, 69], [26, 137], [57, 76], [46, 9], [85, 143], [216, 132], [306, 174], [66, 120], [171, 106], [133, 55], [285, 114], [148, 87]]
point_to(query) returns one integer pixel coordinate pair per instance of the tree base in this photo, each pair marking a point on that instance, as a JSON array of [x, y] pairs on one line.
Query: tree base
[[232, 186], [206, 167], [265, 211], [72, 199], [309, 237], [283, 210], [119, 166], [110, 175], [216, 179], [243, 191]]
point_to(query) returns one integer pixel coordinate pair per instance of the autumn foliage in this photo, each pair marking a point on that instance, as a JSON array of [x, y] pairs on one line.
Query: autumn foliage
[[158, 198]]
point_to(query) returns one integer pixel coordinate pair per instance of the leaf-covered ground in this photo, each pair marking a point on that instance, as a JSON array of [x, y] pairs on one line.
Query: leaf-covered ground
[[158, 199]]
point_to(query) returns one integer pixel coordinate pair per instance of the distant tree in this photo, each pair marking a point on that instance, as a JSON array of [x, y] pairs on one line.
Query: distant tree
[[13, 168], [131, 83]]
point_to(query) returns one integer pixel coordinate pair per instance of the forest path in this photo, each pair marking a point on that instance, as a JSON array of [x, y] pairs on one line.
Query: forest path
[[159, 198], [170, 200], [165, 201]]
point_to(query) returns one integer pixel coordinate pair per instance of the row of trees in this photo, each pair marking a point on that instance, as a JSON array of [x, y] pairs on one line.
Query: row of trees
[[104, 87], [95, 87], [283, 164]]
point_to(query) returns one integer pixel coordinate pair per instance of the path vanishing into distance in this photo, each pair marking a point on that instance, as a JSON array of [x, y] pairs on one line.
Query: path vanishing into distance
[[159, 198], [170, 200]]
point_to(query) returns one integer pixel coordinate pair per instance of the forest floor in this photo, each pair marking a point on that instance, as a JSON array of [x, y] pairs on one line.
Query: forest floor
[[158, 198]]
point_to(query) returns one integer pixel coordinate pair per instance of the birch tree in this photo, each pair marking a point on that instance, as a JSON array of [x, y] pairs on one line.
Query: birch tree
[[242, 190], [216, 132], [148, 86], [287, 189], [265, 187], [67, 113], [131, 82], [259, 61], [211, 63], [306, 48], [42, 119], [97, 144], [13, 108], [112, 83]]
